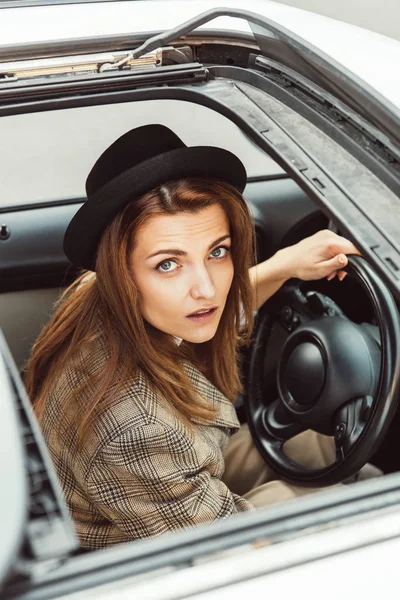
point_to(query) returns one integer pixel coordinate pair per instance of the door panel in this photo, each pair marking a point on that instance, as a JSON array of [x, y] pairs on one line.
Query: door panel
[[22, 316]]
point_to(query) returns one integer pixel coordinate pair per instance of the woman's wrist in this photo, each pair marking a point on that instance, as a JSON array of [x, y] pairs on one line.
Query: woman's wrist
[[268, 276], [283, 264]]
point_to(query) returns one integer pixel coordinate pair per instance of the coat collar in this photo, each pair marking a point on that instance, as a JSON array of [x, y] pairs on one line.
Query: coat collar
[[225, 413]]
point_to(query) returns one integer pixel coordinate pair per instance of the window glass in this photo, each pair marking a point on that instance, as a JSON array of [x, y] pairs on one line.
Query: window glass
[[46, 156]]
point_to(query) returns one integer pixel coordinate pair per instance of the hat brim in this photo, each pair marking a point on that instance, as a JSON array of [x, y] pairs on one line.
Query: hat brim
[[85, 229]]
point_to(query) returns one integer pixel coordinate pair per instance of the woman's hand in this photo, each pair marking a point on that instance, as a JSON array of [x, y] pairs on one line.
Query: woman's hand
[[318, 256]]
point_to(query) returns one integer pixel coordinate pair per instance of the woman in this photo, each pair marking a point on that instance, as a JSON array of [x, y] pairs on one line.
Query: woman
[[135, 376]]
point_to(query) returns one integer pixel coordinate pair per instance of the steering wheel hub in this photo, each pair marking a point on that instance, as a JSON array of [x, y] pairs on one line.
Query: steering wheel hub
[[303, 376], [324, 364]]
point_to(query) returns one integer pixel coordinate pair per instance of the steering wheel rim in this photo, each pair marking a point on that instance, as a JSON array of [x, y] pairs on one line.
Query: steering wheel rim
[[270, 443]]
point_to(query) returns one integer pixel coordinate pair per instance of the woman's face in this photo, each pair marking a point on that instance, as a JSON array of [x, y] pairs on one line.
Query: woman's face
[[183, 269]]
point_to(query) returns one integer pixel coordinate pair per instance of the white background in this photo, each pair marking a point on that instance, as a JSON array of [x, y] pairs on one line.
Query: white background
[[382, 16]]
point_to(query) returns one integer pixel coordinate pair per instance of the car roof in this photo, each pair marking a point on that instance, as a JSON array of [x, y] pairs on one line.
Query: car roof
[[371, 56]]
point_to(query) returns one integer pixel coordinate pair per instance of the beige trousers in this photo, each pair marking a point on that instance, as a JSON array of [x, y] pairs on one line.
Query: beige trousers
[[247, 474]]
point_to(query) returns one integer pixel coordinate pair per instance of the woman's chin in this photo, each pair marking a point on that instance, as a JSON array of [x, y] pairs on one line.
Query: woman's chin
[[199, 335]]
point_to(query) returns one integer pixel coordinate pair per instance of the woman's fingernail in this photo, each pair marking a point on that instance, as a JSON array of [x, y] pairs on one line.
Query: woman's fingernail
[[342, 259]]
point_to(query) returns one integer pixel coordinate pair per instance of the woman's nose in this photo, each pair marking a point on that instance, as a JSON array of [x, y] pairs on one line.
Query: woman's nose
[[202, 285]]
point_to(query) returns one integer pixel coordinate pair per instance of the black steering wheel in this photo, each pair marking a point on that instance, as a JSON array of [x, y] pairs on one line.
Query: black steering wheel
[[333, 376]]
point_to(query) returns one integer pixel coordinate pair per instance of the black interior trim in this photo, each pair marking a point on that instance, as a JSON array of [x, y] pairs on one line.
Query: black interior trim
[[116, 43], [331, 116]]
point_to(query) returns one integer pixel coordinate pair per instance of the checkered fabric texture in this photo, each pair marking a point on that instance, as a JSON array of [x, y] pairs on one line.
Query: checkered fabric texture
[[142, 472]]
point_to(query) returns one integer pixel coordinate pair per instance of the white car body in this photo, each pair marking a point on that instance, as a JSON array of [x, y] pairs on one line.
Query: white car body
[[356, 558], [371, 56]]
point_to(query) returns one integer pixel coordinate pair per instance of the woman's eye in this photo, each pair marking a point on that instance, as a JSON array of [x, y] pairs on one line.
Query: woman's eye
[[220, 252], [167, 266]]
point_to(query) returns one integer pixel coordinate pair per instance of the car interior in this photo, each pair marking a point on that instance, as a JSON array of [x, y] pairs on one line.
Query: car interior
[[44, 166]]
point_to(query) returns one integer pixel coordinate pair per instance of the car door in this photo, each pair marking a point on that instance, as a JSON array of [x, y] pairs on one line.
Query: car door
[[290, 118]]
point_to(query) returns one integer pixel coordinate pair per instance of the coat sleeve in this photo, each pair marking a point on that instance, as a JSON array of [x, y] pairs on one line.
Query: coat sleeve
[[151, 480]]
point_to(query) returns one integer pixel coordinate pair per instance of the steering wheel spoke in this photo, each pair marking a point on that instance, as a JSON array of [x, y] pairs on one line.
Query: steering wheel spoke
[[278, 421], [349, 422]]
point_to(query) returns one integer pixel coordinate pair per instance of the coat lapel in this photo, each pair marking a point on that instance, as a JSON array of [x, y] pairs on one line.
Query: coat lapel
[[225, 415]]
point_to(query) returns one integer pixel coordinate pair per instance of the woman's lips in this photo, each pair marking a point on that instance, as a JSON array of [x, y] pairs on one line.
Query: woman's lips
[[203, 317]]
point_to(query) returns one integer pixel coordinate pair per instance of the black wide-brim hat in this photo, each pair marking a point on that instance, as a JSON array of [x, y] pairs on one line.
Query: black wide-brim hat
[[134, 164]]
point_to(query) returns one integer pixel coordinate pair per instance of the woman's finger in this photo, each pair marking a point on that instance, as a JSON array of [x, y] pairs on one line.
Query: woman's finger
[[339, 274], [333, 264]]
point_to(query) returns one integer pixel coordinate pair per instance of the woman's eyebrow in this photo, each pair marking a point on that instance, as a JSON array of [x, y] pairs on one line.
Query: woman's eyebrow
[[177, 252]]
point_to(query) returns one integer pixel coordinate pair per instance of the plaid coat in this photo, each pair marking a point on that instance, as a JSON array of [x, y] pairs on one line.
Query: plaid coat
[[142, 471]]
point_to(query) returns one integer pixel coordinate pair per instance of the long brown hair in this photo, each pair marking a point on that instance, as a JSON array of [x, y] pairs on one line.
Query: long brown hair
[[105, 308]]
